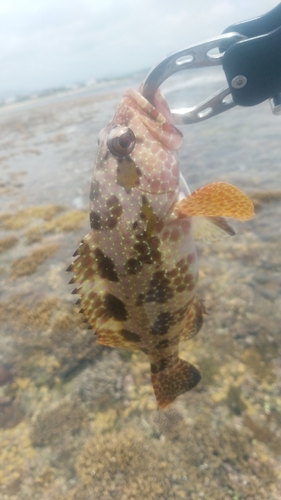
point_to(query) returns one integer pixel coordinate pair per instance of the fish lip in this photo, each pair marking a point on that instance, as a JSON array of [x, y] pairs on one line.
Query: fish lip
[[160, 104]]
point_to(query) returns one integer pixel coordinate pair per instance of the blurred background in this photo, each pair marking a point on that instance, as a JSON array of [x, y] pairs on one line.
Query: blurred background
[[50, 44]]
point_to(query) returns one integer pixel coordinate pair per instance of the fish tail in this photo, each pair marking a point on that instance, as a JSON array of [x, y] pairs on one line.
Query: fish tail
[[173, 381]]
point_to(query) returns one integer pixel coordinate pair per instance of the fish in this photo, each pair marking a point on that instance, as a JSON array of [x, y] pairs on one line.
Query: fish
[[136, 270]]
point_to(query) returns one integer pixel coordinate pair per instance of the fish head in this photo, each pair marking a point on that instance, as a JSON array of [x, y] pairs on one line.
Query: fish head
[[138, 152]]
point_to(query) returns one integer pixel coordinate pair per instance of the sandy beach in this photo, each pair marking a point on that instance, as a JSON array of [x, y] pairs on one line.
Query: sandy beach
[[79, 421]]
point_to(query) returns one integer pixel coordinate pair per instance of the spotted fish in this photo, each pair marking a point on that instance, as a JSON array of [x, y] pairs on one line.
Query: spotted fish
[[136, 270]]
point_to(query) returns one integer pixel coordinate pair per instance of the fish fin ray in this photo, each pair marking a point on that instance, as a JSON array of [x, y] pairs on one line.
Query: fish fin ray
[[216, 199], [210, 229], [111, 334], [171, 382], [194, 319]]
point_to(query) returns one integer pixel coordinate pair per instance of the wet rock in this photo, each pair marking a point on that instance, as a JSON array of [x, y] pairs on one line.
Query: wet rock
[[6, 375], [11, 414]]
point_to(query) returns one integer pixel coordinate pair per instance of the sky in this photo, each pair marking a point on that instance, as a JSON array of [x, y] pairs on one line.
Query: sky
[[52, 43]]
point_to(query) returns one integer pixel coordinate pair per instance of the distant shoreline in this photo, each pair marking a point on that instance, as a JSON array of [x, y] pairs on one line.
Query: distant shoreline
[[94, 87], [52, 97]]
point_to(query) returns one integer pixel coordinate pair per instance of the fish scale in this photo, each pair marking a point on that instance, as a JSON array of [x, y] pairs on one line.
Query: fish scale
[[136, 270]]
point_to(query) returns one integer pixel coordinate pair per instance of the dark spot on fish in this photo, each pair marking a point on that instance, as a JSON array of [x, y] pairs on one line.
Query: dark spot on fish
[[133, 266], [162, 364], [147, 214], [114, 206], [160, 290], [155, 255], [162, 323], [115, 308], [177, 281], [95, 190], [142, 248], [111, 222], [147, 250], [153, 368], [163, 344], [130, 336], [165, 362], [127, 173], [95, 220], [172, 273], [135, 224], [140, 300], [106, 266]]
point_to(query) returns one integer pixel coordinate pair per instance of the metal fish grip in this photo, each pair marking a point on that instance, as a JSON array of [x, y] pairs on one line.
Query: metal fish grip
[[197, 56]]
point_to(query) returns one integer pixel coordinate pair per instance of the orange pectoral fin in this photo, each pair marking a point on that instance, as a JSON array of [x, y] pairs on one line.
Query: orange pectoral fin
[[216, 200]]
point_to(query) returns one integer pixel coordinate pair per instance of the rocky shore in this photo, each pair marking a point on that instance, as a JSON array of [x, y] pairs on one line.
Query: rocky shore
[[79, 421]]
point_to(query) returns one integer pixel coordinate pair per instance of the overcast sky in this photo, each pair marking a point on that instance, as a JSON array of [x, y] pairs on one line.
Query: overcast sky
[[48, 43]]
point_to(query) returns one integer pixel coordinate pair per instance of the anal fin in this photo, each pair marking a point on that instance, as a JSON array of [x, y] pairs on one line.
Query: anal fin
[[173, 381]]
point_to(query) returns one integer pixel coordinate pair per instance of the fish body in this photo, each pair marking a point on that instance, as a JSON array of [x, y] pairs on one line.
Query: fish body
[[137, 270]]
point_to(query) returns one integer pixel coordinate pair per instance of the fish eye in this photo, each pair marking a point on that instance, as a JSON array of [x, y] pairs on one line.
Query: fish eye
[[121, 141]]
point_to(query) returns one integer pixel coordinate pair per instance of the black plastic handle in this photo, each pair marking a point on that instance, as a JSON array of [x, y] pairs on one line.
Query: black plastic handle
[[258, 25], [257, 59]]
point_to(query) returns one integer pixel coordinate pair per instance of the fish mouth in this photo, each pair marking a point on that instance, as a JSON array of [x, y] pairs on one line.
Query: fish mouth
[[159, 103], [162, 107]]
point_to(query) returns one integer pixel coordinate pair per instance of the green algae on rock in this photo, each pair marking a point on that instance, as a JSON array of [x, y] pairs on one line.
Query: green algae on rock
[[7, 243], [119, 462], [28, 265], [43, 330], [54, 423], [22, 218], [69, 221]]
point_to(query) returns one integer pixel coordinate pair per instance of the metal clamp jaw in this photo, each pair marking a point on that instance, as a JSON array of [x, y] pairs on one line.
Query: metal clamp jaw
[[250, 54], [198, 56]]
